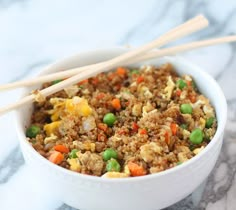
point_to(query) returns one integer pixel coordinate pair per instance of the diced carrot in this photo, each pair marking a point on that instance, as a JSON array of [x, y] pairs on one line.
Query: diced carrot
[[121, 71], [167, 139], [127, 103], [111, 76], [142, 131], [173, 127], [102, 137], [83, 82], [118, 87], [116, 103], [178, 92], [121, 132], [189, 83], [56, 157], [136, 170], [135, 126], [102, 127], [95, 81], [193, 98], [100, 96], [61, 148], [140, 79]]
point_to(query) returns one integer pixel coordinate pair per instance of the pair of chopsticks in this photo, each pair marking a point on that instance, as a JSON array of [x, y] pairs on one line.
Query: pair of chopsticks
[[139, 54]]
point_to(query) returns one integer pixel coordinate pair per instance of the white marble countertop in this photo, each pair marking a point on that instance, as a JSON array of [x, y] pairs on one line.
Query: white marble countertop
[[36, 33]]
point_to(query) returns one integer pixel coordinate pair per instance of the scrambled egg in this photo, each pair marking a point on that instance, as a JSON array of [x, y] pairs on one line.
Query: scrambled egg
[[74, 164], [147, 108], [51, 138], [169, 88], [115, 175], [198, 150], [76, 106], [52, 127]]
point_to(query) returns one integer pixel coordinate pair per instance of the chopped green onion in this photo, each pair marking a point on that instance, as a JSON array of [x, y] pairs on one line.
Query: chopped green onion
[[181, 84], [134, 71], [194, 85], [56, 81], [73, 153], [209, 122], [184, 126]]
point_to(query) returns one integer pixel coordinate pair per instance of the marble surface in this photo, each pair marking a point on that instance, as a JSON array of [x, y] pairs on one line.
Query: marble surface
[[36, 33]]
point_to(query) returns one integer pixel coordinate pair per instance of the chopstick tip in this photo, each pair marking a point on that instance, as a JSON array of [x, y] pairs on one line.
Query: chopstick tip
[[203, 19]]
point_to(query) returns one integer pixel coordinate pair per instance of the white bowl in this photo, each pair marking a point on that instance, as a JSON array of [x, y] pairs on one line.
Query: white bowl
[[154, 191]]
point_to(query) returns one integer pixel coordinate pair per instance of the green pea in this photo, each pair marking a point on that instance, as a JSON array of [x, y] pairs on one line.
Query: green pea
[[186, 109], [56, 81], [109, 153], [109, 119], [209, 122], [32, 131], [184, 126], [113, 165], [196, 136], [181, 84], [73, 153]]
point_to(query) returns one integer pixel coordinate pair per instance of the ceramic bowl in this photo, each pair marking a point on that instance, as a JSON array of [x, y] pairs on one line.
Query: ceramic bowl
[[149, 192]]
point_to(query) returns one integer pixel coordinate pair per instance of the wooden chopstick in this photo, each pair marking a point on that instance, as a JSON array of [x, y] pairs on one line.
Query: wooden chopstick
[[184, 48], [189, 27], [147, 56], [74, 71]]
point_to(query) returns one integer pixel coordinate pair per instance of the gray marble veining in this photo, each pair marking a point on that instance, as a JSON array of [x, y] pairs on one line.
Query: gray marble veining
[[10, 165]]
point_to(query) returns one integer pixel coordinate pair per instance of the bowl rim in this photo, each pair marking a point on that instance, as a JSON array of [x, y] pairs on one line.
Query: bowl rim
[[219, 131]]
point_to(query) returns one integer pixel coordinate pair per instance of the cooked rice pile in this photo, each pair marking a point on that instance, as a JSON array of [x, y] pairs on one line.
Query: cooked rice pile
[[151, 132]]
